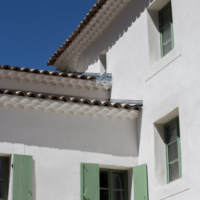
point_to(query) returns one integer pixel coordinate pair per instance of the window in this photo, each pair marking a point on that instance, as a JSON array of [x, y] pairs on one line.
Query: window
[[4, 166], [166, 29], [173, 150], [113, 184], [110, 184]]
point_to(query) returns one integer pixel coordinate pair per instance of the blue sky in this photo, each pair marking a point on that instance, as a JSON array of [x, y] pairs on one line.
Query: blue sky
[[32, 30]]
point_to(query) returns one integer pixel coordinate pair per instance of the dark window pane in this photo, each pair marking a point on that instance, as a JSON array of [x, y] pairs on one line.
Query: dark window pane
[[166, 33], [166, 16], [118, 195], [103, 179], [118, 180], [103, 194], [172, 132], [1, 189], [2, 169], [173, 151], [173, 171], [167, 48]]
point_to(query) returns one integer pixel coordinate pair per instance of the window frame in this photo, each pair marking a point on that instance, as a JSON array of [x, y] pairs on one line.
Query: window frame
[[6, 176], [110, 183], [175, 120], [160, 29]]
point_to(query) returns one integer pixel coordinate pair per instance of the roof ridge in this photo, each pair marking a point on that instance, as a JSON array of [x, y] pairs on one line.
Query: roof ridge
[[50, 73]]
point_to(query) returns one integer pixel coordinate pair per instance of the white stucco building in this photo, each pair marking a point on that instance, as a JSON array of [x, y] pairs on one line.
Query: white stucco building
[[119, 121]]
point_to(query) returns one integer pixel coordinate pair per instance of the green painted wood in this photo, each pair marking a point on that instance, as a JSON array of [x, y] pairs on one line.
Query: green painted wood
[[140, 182], [89, 181], [161, 27], [175, 120], [22, 177]]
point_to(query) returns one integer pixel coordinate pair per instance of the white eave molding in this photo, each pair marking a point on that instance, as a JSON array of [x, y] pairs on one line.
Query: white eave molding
[[54, 80], [66, 107], [89, 34]]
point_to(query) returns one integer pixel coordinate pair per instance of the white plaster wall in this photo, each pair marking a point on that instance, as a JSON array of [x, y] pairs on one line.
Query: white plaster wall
[[68, 131], [175, 85], [60, 142], [126, 43], [163, 84], [169, 83]]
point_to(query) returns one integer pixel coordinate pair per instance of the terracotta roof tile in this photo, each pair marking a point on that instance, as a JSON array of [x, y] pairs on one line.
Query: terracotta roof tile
[[85, 21], [68, 99], [50, 73]]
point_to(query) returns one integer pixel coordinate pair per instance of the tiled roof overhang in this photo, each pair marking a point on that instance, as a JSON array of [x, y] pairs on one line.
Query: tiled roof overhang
[[19, 74], [50, 73], [68, 99], [84, 22], [51, 103], [92, 26]]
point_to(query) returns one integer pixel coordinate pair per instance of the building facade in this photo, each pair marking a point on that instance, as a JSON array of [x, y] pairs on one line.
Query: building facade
[[119, 121]]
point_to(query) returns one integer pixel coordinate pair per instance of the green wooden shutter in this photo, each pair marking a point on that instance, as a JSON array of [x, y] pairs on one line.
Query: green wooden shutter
[[22, 177], [89, 181], [140, 182]]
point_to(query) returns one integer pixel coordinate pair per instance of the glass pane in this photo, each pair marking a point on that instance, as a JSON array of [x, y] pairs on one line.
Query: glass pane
[[118, 195], [166, 33], [167, 48], [1, 169], [103, 194], [173, 151], [118, 180], [172, 133], [1, 189], [173, 171], [166, 16], [103, 179]]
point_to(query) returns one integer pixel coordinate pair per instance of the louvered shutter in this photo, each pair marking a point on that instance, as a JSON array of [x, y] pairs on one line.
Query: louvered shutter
[[22, 177], [89, 181], [140, 182]]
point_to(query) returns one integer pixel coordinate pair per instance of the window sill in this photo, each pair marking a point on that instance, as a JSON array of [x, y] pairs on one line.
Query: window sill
[[163, 62], [171, 189]]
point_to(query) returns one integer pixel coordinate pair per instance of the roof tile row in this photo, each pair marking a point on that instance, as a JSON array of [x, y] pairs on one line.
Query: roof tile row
[[51, 73], [68, 99]]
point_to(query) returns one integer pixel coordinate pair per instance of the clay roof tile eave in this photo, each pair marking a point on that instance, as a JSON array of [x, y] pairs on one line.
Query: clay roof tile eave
[[45, 72], [68, 99], [80, 27]]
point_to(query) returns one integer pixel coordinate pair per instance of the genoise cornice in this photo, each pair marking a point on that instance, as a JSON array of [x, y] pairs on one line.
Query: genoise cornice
[[67, 54], [54, 80], [66, 107]]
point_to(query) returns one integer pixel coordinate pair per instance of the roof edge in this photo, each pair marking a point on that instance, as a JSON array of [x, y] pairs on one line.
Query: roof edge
[[46, 72], [68, 99], [84, 22]]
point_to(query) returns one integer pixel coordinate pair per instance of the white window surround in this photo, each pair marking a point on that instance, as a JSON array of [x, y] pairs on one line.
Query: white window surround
[[163, 190], [156, 63]]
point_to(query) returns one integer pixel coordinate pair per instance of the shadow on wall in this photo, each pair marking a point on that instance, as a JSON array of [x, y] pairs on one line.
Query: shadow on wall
[[139, 125], [69, 131], [113, 33], [130, 182]]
